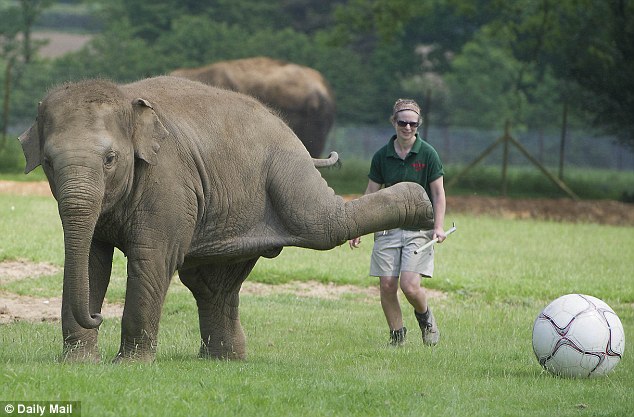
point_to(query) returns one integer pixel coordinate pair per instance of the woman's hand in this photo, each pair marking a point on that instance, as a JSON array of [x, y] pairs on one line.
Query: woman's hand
[[354, 243], [439, 234]]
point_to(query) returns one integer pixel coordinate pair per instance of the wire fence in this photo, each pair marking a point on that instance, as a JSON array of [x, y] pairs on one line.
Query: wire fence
[[457, 145]]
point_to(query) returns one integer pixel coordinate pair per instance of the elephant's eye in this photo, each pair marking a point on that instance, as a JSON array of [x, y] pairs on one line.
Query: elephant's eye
[[110, 159]]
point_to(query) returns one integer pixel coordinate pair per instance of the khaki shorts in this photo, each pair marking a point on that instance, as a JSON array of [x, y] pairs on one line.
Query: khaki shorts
[[393, 252]]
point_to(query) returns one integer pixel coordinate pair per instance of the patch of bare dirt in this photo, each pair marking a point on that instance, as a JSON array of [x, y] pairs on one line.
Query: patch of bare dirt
[[33, 309], [15, 307], [16, 270], [40, 188], [560, 210], [314, 289]]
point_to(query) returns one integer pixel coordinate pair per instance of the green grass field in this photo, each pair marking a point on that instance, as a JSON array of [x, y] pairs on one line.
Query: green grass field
[[313, 356]]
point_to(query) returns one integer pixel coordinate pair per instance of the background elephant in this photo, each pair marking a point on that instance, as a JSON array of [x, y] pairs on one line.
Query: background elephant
[[301, 94], [181, 176]]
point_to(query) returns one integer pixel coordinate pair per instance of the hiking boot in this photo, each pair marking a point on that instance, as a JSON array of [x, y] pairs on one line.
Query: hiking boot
[[397, 337], [428, 327]]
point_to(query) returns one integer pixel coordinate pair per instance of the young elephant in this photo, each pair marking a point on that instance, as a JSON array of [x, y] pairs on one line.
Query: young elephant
[[183, 176]]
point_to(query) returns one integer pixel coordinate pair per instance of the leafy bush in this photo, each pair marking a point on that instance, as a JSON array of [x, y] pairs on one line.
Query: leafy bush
[[11, 158]]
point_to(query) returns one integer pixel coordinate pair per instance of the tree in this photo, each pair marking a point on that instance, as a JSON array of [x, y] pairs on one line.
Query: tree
[[9, 29], [31, 10], [14, 21], [596, 51], [483, 85], [583, 43], [385, 21]]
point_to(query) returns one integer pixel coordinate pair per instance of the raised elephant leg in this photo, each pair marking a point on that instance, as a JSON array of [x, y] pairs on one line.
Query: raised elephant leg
[[216, 290], [324, 221], [80, 344]]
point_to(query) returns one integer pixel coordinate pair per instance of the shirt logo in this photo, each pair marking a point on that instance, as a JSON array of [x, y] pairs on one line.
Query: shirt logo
[[418, 166]]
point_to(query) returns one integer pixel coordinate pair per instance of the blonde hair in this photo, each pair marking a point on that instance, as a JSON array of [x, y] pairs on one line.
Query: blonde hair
[[403, 104]]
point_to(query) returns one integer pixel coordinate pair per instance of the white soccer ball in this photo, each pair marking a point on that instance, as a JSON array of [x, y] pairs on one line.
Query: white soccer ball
[[578, 336]]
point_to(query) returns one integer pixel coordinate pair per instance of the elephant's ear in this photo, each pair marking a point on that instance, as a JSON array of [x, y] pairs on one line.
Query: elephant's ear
[[30, 141], [148, 131]]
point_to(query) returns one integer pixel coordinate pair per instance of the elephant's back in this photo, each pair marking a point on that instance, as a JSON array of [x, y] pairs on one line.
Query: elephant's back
[[177, 93], [284, 85], [215, 116]]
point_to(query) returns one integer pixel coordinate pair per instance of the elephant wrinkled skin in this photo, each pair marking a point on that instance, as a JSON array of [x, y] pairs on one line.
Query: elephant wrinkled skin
[[301, 94], [182, 176]]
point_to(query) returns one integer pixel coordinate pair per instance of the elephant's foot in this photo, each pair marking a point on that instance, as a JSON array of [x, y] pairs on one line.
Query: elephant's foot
[[218, 349], [136, 349], [80, 351]]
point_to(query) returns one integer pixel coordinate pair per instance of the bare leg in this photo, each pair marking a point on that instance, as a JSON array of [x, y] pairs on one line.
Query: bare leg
[[417, 297], [389, 302], [415, 294]]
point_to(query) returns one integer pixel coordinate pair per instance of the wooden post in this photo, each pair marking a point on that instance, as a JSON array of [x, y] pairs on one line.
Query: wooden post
[[562, 142], [541, 145], [505, 158], [508, 139], [559, 183], [483, 155]]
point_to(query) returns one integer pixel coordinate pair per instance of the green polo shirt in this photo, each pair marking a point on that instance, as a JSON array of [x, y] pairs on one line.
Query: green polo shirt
[[421, 165]]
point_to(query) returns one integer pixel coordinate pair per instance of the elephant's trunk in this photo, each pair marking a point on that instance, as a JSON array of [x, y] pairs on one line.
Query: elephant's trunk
[[79, 204]]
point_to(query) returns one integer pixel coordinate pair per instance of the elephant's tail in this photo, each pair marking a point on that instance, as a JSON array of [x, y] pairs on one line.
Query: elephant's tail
[[333, 159]]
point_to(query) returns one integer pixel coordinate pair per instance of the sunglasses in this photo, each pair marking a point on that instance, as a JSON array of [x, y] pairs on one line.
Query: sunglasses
[[403, 123]]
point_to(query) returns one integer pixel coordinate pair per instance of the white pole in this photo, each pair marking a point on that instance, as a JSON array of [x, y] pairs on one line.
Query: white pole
[[433, 241]]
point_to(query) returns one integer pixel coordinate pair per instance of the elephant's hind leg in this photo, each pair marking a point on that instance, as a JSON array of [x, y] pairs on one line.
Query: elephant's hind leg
[[216, 290]]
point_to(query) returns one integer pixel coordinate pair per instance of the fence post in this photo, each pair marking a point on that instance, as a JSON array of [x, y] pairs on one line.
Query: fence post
[[507, 139], [505, 158], [483, 155], [559, 183], [562, 143]]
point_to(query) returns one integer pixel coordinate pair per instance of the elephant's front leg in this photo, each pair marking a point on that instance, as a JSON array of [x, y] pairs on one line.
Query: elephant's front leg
[[80, 344], [146, 289], [216, 289]]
